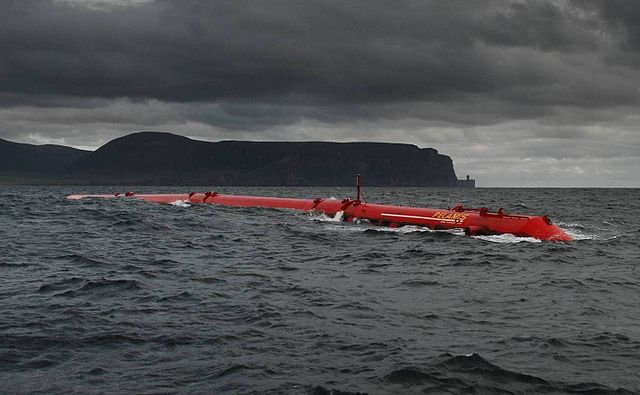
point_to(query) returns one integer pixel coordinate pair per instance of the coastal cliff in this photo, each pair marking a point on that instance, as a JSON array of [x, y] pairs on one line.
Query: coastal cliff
[[153, 158]]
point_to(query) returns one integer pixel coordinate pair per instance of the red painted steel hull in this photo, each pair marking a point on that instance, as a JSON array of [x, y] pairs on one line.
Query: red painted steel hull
[[473, 221]]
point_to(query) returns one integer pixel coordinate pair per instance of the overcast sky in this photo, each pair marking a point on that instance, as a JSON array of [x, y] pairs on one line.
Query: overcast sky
[[518, 93]]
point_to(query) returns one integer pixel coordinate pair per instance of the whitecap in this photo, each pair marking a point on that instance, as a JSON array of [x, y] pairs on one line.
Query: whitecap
[[180, 203], [577, 235], [401, 229], [578, 231], [507, 238], [322, 217]]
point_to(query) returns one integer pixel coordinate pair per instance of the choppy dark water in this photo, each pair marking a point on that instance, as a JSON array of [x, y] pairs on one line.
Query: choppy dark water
[[126, 296]]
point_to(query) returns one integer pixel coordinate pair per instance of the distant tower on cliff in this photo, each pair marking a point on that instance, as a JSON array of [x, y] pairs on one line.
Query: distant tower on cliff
[[468, 183]]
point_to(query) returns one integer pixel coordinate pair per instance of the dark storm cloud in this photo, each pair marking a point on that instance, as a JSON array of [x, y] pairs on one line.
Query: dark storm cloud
[[621, 18], [304, 52], [545, 88]]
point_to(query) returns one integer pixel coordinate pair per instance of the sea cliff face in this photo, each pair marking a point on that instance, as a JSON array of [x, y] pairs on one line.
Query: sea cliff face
[[151, 158]]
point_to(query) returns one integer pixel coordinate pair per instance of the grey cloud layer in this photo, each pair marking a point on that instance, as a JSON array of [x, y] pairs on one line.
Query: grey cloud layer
[[525, 73], [332, 51]]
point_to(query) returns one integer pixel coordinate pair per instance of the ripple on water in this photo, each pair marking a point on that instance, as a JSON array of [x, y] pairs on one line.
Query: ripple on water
[[98, 295]]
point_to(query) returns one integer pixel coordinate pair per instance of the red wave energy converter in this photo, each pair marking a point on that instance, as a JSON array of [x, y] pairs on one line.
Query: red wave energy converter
[[474, 221]]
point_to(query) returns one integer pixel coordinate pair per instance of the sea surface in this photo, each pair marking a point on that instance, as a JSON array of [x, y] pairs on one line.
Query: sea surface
[[122, 296]]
